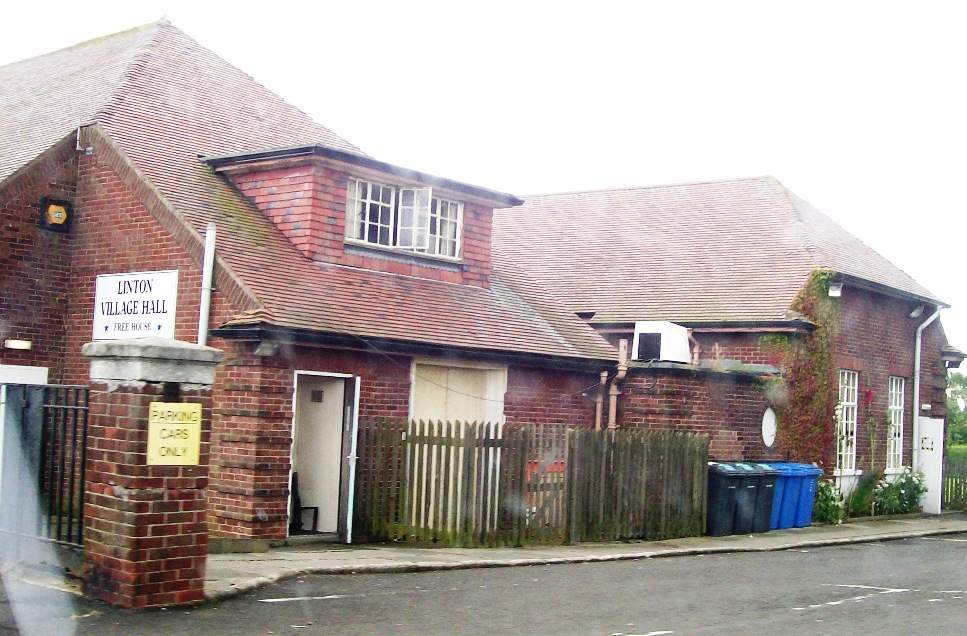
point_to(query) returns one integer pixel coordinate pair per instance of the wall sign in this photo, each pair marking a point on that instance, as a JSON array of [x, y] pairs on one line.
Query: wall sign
[[135, 305], [174, 434]]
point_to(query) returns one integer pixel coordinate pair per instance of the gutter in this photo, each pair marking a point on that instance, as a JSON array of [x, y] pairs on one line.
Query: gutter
[[916, 384], [258, 332]]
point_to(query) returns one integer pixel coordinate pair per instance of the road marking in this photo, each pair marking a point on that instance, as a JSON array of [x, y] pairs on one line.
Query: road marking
[[856, 599], [301, 598]]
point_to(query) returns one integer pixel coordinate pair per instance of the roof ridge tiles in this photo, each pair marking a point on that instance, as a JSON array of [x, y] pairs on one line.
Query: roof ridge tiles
[[660, 186], [132, 70]]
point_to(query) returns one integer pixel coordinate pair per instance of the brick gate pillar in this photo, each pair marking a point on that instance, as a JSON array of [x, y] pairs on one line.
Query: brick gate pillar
[[145, 536]]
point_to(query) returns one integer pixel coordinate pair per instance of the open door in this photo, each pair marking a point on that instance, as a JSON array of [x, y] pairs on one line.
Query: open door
[[350, 434], [323, 438]]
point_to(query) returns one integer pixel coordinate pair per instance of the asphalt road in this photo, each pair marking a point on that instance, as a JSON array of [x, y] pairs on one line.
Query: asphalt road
[[915, 586]]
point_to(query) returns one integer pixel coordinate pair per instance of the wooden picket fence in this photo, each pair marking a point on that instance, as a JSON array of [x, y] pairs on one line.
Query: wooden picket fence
[[474, 484], [954, 484], [636, 484]]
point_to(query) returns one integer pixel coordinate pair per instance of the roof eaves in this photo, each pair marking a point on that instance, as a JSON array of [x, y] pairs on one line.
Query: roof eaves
[[886, 290], [10, 183], [221, 162], [383, 346]]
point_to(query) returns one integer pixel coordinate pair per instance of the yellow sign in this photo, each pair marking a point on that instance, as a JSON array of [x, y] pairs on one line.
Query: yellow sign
[[174, 434]]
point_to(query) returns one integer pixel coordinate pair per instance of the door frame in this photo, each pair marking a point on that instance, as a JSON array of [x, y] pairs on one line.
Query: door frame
[[347, 450]]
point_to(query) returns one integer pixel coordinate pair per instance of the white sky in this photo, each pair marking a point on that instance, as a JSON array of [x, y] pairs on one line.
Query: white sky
[[857, 107]]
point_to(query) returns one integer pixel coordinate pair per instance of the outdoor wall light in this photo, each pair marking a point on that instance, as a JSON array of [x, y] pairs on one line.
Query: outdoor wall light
[[22, 345], [916, 313], [55, 215], [835, 290]]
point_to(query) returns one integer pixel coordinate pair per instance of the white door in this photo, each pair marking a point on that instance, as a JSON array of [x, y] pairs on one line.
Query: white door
[[930, 461], [317, 447], [14, 374]]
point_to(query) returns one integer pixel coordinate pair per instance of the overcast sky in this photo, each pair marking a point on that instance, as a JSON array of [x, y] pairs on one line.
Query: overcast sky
[[859, 108]]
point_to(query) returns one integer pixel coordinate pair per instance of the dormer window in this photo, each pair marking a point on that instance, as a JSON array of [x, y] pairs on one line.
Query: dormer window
[[403, 218]]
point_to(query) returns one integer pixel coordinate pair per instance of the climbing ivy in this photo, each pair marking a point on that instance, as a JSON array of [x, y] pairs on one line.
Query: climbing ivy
[[807, 397]]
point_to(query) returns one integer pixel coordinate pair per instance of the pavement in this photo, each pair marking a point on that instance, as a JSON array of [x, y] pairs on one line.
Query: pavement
[[231, 574]]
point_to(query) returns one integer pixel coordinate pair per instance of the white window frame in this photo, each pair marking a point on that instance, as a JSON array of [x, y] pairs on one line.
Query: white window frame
[[894, 439], [846, 424], [406, 219]]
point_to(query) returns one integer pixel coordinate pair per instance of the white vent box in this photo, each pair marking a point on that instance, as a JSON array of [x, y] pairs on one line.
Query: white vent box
[[660, 340]]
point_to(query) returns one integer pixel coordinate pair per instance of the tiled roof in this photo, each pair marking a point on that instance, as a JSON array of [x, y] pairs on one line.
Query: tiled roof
[[164, 101], [737, 250]]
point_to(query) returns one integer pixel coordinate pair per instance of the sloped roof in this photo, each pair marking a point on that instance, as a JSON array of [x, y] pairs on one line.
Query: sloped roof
[[163, 101], [737, 250]]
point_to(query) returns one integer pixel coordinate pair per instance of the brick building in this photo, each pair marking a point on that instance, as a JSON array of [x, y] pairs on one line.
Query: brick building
[[400, 312], [730, 261], [345, 287]]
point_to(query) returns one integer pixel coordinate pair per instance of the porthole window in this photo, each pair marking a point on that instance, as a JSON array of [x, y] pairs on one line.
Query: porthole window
[[769, 428]]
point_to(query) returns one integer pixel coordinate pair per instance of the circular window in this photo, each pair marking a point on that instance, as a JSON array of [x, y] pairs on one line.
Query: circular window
[[769, 427]]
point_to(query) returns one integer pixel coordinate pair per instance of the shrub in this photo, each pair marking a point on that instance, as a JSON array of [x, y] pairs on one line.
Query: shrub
[[829, 503], [900, 496], [861, 501]]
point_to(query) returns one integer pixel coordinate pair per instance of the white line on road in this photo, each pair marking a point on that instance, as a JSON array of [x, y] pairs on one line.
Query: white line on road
[[855, 599], [301, 598]]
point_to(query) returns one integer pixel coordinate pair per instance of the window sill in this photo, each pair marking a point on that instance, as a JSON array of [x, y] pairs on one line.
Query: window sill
[[894, 471], [403, 256], [839, 472]]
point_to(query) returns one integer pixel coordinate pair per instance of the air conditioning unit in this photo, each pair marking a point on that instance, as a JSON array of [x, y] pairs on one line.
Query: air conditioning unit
[[660, 340]]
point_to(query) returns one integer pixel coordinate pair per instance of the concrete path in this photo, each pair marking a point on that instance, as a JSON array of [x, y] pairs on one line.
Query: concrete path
[[231, 574]]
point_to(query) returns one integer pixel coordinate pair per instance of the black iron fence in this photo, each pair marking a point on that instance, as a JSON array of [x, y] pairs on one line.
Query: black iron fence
[[44, 456]]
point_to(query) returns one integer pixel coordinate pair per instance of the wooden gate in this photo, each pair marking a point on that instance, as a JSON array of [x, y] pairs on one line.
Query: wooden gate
[[954, 483]]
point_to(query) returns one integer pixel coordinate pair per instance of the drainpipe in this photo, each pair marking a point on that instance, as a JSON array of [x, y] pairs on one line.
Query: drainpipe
[[599, 400], [696, 350], [205, 303], [613, 392], [916, 386]]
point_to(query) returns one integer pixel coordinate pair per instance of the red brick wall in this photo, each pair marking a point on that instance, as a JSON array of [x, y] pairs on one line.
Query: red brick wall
[[877, 339], [35, 265], [541, 397], [743, 347], [727, 407], [308, 203], [252, 434], [252, 426]]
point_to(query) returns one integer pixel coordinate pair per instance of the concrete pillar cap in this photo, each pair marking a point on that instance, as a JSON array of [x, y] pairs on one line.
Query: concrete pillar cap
[[152, 360]]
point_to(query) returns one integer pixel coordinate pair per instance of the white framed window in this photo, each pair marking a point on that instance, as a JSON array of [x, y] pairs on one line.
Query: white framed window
[[846, 426], [894, 414], [406, 219]]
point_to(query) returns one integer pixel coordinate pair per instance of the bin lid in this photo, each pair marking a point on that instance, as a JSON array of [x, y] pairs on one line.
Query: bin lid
[[789, 469], [723, 468], [767, 469], [755, 469]]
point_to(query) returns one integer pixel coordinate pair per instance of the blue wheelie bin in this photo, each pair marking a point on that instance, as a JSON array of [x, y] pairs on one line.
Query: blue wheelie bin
[[807, 495], [786, 499]]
